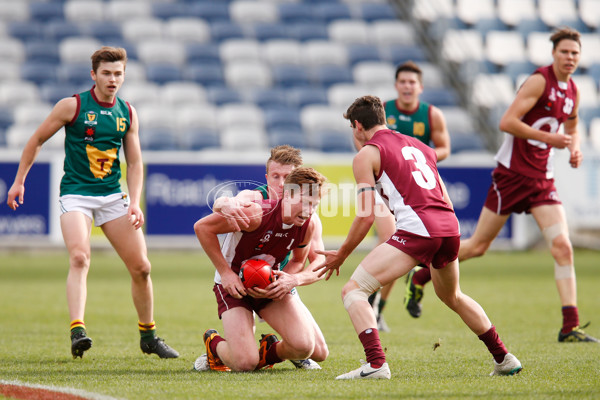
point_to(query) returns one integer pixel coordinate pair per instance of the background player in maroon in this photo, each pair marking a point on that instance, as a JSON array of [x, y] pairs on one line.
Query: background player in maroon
[[403, 170], [523, 180], [275, 228]]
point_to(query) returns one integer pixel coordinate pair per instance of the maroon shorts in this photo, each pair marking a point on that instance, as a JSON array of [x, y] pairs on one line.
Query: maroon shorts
[[226, 302], [514, 193], [437, 251]]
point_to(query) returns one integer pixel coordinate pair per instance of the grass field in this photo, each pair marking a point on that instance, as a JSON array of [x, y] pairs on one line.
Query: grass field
[[516, 289]]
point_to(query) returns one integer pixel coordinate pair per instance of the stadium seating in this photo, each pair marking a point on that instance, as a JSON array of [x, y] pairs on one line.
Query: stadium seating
[[299, 56]]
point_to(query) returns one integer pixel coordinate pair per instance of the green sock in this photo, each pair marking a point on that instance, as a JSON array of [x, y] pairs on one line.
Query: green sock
[[147, 331]]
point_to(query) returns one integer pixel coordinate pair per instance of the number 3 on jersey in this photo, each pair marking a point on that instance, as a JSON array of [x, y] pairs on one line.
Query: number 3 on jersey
[[424, 177]]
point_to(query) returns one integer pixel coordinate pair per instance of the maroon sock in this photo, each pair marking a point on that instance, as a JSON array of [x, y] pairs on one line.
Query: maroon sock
[[213, 344], [494, 344], [370, 341], [272, 357], [421, 277], [570, 318]]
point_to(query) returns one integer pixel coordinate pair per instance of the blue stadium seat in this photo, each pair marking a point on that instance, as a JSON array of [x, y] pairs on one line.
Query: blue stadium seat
[[398, 54], [440, 97], [199, 139], [587, 114], [485, 25], [219, 95], [327, 75], [516, 68], [594, 71], [209, 10], [526, 26], [268, 97], [169, 10], [206, 74], [52, 92], [377, 11], [362, 52], [6, 118], [268, 31], [333, 142], [75, 74], [59, 30], [223, 30], [25, 30], [42, 51], [46, 11], [288, 76], [303, 96], [469, 141], [282, 118], [158, 139], [328, 12], [304, 31], [292, 137], [290, 13], [38, 72], [103, 30], [202, 52], [162, 73]]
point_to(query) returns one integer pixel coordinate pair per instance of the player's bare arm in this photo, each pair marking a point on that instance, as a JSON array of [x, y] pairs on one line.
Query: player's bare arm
[[570, 127], [365, 166], [232, 208], [439, 134], [207, 230], [62, 113], [135, 170], [526, 98]]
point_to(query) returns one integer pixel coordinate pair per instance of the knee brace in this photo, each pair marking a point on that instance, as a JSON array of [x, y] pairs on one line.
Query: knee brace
[[552, 232], [563, 271], [367, 285]]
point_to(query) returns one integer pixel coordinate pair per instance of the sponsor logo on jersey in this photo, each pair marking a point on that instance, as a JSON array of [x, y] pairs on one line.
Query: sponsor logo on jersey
[[398, 239], [105, 112], [90, 132]]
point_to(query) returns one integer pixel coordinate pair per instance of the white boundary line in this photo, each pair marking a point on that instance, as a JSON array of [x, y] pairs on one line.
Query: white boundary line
[[77, 392]]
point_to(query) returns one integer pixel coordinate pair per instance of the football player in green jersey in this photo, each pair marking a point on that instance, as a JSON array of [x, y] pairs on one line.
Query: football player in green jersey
[[96, 124]]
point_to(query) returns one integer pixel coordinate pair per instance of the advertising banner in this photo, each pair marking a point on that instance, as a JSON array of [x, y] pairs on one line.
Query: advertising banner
[[33, 216], [177, 195]]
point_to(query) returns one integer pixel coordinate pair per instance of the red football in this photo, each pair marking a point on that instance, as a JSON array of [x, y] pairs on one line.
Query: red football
[[256, 273]]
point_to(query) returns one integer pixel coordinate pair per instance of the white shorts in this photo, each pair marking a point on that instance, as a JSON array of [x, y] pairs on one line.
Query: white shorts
[[101, 209]]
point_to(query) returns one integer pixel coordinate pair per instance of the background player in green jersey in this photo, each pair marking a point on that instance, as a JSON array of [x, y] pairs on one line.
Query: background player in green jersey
[[410, 116], [97, 123]]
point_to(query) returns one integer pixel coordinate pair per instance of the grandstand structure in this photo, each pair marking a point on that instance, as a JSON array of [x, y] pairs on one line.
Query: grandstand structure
[[249, 74]]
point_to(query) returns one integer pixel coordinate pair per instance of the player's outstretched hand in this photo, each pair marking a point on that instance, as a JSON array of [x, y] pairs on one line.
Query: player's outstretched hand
[[15, 192], [333, 262]]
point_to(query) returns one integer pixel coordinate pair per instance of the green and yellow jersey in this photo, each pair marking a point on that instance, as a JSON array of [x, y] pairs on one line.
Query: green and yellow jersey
[[92, 143]]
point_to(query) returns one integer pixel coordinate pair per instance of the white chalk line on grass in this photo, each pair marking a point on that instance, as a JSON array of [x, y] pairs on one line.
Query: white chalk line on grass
[[66, 390]]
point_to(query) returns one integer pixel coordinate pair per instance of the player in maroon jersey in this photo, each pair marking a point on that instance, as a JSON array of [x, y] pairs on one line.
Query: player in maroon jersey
[[275, 228], [403, 171], [523, 180]]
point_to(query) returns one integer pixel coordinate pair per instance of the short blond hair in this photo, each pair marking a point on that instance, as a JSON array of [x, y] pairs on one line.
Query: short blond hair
[[285, 155]]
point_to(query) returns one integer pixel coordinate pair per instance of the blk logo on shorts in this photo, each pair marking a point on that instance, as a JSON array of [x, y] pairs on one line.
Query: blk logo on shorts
[[398, 239]]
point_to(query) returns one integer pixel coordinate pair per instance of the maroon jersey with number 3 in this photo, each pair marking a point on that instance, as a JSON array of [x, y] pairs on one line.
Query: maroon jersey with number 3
[[531, 157], [409, 184]]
